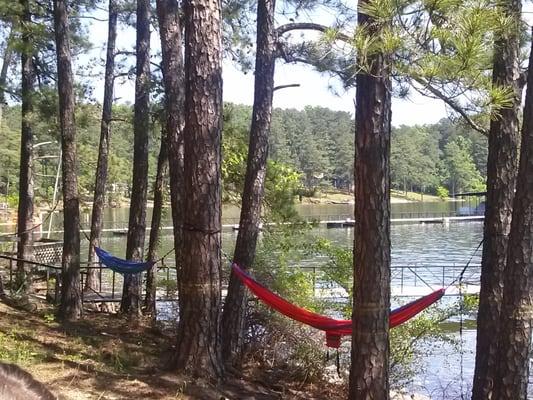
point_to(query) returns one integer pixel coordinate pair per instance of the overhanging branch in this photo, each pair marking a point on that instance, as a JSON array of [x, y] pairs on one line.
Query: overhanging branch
[[309, 26], [291, 85], [452, 104]]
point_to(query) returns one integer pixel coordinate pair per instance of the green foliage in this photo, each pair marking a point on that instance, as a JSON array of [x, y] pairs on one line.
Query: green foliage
[[285, 344], [49, 317], [407, 341], [471, 302], [442, 192], [414, 158], [338, 267], [278, 250], [317, 141], [441, 49], [309, 149], [281, 182], [459, 168]]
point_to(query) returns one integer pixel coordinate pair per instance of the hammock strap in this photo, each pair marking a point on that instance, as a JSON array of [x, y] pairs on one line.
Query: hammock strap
[[338, 363], [461, 338], [165, 256], [461, 275]]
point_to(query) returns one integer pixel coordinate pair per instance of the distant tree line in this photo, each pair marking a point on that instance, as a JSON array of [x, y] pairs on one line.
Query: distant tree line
[[316, 142]]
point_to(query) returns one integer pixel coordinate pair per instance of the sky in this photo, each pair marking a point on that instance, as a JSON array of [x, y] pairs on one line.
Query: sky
[[315, 89]]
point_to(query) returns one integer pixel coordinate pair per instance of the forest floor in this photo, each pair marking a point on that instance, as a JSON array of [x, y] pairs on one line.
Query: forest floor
[[104, 357]]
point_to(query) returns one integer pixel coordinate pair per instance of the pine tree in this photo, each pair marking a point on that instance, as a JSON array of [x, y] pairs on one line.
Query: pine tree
[[26, 195], [103, 151], [153, 243], [369, 371], [172, 66], [131, 293], [70, 307], [198, 344], [514, 344], [233, 317], [501, 177]]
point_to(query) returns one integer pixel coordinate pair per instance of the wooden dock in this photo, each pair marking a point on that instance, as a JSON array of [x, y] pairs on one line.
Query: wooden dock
[[320, 221]]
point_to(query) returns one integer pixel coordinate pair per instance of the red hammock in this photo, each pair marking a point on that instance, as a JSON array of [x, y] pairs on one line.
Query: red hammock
[[334, 328]]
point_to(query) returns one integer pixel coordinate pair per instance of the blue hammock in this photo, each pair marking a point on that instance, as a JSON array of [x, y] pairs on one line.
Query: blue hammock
[[122, 266]]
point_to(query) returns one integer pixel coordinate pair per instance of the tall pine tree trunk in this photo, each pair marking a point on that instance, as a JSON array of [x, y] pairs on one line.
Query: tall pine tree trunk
[[168, 12], [501, 178], [25, 206], [103, 150], [149, 300], [70, 307], [198, 344], [233, 317], [516, 313], [369, 372], [131, 301]]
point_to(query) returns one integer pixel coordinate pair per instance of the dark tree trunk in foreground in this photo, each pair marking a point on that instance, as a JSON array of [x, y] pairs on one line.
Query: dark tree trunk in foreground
[[25, 207], [233, 318], [369, 372], [103, 150], [168, 12], [501, 178], [131, 301], [198, 344], [70, 307], [159, 187], [516, 313]]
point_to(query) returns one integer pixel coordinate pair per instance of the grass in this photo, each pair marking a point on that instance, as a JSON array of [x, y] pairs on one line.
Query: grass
[[415, 196], [15, 348]]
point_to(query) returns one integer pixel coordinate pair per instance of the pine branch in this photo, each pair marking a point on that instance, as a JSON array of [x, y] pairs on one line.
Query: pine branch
[[293, 26], [451, 103], [286, 86]]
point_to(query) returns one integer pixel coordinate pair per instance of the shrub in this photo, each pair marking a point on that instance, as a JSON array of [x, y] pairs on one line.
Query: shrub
[[442, 192]]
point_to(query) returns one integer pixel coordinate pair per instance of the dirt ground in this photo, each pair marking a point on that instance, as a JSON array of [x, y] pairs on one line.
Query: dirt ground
[[104, 357]]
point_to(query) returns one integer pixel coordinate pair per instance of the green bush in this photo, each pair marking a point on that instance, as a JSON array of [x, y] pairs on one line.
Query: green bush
[[442, 192], [12, 201]]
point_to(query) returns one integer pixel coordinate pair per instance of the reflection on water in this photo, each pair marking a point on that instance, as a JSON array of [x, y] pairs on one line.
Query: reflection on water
[[424, 243], [118, 217]]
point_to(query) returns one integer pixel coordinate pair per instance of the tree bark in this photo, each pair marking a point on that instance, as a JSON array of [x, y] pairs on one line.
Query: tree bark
[[369, 372], [103, 150], [198, 347], [516, 312], [233, 317], [149, 300], [501, 179], [70, 307], [25, 206], [168, 12], [131, 293]]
